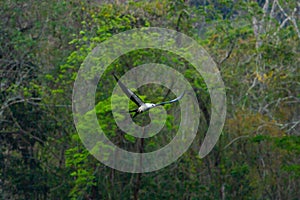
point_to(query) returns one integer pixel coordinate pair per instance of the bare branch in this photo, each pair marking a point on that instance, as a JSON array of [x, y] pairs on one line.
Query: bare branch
[[15, 101], [294, 126], [228, 53], [291, 18], [235, 139]]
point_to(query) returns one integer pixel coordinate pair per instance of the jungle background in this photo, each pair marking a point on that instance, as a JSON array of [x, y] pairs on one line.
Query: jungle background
[[256, 45]]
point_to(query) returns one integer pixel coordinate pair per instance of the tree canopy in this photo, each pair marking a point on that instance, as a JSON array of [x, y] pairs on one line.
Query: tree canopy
[[255, 45]]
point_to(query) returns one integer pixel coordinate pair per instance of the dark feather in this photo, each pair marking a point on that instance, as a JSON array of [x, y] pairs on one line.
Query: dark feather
[[133, 97], [172, 101], [135, 114]]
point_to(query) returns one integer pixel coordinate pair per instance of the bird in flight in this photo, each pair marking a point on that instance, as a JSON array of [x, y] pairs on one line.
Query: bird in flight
[[142, 107]]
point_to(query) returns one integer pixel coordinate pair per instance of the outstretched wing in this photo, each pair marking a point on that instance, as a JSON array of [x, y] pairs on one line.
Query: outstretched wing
[[133, 97], [172, 101]]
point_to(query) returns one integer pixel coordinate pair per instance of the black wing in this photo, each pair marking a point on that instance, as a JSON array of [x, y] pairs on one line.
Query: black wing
[[172, 101], [133, 97]]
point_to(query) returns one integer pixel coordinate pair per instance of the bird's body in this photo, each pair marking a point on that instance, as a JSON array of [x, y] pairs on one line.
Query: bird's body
[[142, 107], [145, 107]]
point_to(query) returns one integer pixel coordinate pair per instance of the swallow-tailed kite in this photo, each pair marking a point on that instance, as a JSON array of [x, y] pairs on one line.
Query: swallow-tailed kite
[[142, 107]]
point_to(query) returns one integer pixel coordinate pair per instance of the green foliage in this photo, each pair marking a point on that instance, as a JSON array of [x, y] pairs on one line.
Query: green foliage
[[43, 44]]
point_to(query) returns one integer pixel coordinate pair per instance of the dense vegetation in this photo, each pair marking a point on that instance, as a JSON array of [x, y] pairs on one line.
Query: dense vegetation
[[256, 45]]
